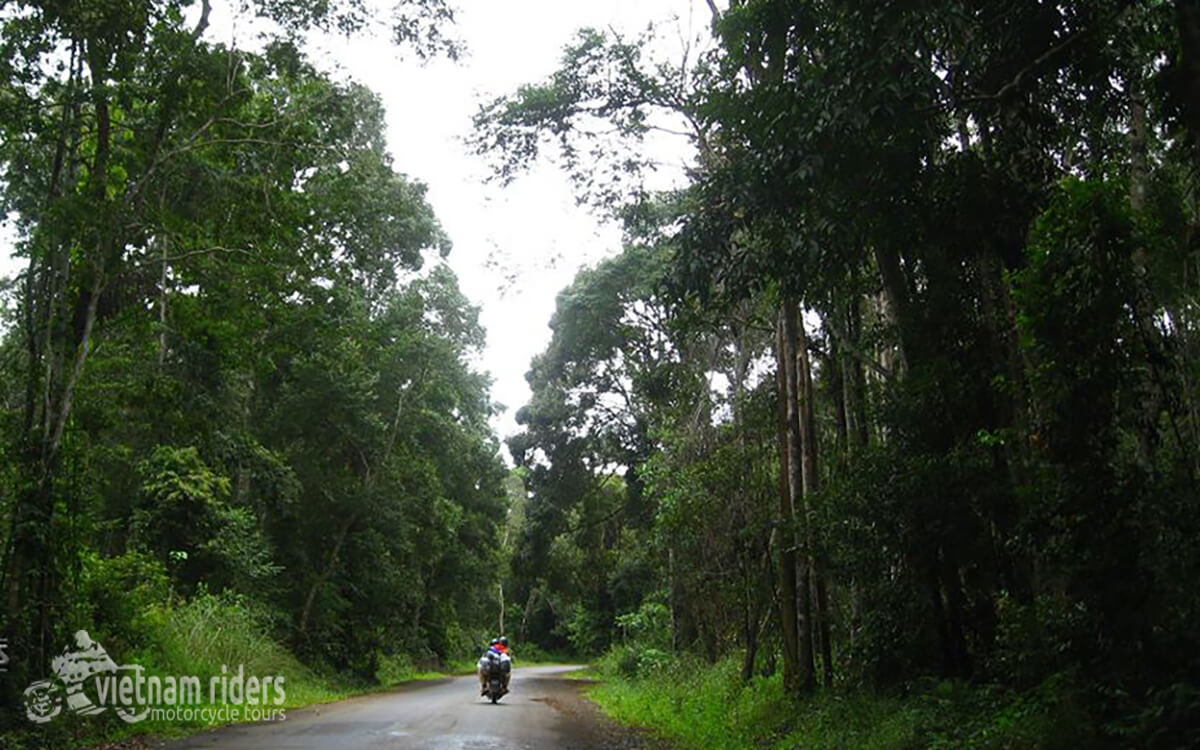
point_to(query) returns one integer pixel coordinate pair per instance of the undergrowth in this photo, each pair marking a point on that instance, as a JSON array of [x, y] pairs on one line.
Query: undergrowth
[[696, 705], [197, 638]]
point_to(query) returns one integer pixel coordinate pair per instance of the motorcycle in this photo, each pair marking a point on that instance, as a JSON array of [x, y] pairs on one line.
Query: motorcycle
[[495, 669], [45, 699]]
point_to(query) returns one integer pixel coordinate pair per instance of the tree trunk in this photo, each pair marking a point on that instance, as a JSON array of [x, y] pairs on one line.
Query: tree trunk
[[786, 518], [162, 306], [306, 611], [854, 378], [895, 291], [750, 638], [1137, 146], [526, 612], [1187, 16], [857, 434], [811, 478], [1149, 390], [824, 631], [799, 474], [841, 420]]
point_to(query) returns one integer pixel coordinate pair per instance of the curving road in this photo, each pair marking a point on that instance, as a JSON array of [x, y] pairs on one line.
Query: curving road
[[543, 710]]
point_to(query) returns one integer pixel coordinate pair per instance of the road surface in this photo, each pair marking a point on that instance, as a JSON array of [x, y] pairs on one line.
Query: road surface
[[542, 710]]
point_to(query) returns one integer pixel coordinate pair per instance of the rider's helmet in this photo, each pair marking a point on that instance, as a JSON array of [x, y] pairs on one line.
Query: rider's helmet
[[494, 641], [503, 641]]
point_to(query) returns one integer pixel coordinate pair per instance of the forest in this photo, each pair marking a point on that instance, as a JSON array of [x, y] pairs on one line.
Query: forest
[[238, 391], [881, 430], [900, 389]]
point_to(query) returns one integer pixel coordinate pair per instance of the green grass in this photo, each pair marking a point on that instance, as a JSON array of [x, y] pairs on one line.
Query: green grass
[[588, 673], [700, 706]]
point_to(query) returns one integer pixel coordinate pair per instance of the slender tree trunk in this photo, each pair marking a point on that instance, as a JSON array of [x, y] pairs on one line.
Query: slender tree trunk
[[940, 620], [786, 520], [825, 631], [857, 435], [32, 590], [1137, 146], [855, 381], [895, 291], [1187, 16], [500, 595], [799, 470], [751, 584], [1012, 408], [529, 601], [818, 630], [839, 389], [750, 639], [672, 603], [324, 575], [1149, 389], [162, 306], [956, 605]]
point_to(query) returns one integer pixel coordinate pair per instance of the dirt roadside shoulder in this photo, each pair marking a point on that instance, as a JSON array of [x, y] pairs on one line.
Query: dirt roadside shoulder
[[589, 726]]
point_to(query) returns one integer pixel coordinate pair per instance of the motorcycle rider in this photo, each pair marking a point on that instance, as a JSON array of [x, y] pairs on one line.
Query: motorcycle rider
[[74, 667], [483, 662], [497, 648]]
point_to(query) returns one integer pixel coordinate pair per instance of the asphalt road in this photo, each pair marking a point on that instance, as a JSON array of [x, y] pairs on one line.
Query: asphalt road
[[542, 710]]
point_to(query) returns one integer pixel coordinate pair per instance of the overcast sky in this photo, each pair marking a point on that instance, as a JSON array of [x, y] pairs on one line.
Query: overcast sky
[[514, 247]]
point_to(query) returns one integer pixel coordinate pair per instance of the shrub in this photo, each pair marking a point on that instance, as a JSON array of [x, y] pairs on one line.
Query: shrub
[[117, 599]]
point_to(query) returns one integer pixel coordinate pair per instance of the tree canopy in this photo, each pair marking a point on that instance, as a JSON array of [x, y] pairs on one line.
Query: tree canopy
[[236, 363], [925, 310]]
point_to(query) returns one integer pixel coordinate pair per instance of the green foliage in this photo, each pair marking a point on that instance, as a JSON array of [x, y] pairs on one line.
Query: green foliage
[[986, 215], [117, 597], [200, 635], [185, 518], [703, 706], [649, 625], [229, 362], [395, 669], [602, 78]]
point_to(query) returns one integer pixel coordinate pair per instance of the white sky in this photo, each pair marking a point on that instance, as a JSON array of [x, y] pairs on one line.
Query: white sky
[[514, 247]]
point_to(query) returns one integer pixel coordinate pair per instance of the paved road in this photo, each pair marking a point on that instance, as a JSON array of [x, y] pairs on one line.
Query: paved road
[[542, 710]]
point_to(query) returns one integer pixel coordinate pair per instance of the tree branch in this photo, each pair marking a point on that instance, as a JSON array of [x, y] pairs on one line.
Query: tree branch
[[1034, 64], [167, 259], [202, 24], [81, 353], [716, 12]]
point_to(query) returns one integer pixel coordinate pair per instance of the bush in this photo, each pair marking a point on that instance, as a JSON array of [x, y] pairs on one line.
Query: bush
[[636, 661], [211, 630], [531, 652], [649, 626], [117, 598], [394, 669], [587, 631]]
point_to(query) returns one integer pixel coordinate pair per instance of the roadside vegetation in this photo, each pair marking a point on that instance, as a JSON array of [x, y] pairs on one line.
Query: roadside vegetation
[[198, 637], [694, 704], [240, 419], [881, 429]]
